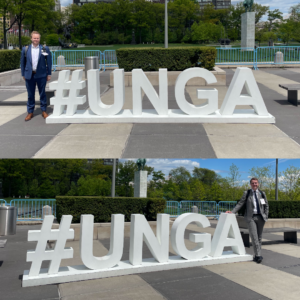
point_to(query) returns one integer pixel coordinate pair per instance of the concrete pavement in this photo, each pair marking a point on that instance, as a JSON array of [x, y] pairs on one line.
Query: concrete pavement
[[35, 139], [276, 278]]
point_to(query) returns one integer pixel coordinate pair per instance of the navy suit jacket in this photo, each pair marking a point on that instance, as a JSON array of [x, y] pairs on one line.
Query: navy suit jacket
[[44, 64]]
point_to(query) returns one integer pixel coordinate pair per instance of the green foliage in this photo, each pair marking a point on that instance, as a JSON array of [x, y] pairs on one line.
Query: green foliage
[[174, 59], [87, 42], [284, 209], [9, 60], [52, 39], [26, 40], [205, 32], [103, 207]]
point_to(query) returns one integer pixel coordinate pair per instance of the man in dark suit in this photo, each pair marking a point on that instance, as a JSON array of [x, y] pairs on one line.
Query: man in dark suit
[[36, 65], [256, 214]]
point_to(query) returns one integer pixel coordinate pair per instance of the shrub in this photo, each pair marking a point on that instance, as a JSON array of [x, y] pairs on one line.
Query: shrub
[[174, 59], [281, 209], [52, 39], [103, 207], [87, 42], [9, 60]]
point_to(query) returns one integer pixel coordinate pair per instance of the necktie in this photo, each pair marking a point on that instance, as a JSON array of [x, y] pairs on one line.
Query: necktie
[[257, 204]]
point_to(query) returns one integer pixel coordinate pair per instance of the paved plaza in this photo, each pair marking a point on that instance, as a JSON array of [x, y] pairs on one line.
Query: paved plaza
[[276, 278], [36, 139]]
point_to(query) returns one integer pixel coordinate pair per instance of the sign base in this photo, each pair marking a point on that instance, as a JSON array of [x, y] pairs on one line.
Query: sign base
[[79, 273], [246, 116]]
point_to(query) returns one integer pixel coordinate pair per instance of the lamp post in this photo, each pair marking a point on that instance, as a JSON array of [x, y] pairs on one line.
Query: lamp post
[[276, 182], [166, 23], [113, 182]]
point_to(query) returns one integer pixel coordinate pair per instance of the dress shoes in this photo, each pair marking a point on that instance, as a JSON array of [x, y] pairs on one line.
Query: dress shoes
[[29, 117], [45, 115], [258, 259]]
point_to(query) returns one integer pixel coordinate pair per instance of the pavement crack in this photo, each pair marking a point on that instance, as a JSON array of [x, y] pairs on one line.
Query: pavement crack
[[178, 280]]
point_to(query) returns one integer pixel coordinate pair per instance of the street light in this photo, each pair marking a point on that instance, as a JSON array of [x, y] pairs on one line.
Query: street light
[[166, 23]]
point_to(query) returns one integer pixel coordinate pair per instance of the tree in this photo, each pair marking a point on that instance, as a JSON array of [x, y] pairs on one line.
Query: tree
[[180, 175], [6, 7], [289, 180], [273, 15], [207, 176], [234, 181], [198, 190], [286, 31]]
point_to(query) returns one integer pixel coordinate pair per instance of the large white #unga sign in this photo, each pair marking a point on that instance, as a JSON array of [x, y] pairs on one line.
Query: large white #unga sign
[[67, 99], [206, 251]]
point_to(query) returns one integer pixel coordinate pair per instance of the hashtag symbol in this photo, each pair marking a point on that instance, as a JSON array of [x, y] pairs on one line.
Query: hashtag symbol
[[55, 255], [67, 92]]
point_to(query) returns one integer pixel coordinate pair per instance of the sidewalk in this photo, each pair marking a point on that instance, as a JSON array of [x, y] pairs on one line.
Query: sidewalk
[[276, 278], [35, 139]]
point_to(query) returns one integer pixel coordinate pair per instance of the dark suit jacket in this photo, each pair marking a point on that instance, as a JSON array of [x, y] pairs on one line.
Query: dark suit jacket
[[44, 63], [264, 208]]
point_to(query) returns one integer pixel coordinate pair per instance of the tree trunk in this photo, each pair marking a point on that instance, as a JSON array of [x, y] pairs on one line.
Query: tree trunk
[[32, 25], [20, 35], [4, 32], [140, 35]]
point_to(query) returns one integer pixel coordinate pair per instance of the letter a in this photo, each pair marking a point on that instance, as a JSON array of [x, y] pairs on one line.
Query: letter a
[[227, 234], [116, 243], [243, 76]]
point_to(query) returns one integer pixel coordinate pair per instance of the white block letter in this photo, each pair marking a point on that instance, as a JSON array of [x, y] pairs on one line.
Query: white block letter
[[203, 239], [227, 234], [140, 231], [243, 76], [211, 95], [140, 81], [116, 243], [96, 105]]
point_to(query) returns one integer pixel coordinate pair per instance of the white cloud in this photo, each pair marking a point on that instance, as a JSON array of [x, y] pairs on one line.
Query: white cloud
[[166, 165]]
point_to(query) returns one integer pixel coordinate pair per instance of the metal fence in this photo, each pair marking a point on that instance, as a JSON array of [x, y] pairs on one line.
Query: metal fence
[[75, 58], [2, 201], [258, 56], [207, 208], [32, 209], [225, 56]]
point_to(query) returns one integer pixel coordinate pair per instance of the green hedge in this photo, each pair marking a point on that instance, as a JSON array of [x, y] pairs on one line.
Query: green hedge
[[281, 209], [9, 60], [174, 59], [103, 207]]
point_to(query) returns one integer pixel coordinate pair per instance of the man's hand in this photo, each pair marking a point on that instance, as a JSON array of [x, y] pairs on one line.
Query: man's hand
[[23, 77], [48, 77], [228, 212]]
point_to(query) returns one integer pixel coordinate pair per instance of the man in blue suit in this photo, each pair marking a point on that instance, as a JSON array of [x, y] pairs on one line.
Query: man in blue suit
[[36, 65]]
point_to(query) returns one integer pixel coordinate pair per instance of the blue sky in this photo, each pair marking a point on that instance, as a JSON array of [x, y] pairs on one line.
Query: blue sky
[[281, 5], [221, 166]]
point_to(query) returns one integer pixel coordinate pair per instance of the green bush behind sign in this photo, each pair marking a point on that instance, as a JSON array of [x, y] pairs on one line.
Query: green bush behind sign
[[9, 60], [173, 59]]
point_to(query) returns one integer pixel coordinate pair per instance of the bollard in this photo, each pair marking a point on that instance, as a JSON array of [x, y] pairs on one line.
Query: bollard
[[61, 61], [47, 210], [194, 209], [278, 58]]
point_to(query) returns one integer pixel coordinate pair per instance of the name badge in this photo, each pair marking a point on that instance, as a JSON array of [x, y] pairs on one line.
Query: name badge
[[262, 201], [45, 54]]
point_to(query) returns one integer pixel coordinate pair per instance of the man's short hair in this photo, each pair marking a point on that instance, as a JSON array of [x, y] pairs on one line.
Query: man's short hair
[[254, 178], [35, 32]]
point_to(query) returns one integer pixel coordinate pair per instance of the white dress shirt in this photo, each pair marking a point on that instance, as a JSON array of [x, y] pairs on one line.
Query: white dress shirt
[[35, 52], [254, 200]]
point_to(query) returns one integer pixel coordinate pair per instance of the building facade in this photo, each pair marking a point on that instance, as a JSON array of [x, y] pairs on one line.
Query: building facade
[[219, 4]]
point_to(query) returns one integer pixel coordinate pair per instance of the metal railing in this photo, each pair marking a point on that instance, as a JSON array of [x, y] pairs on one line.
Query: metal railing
[[109, 59], [207, 208], [235, 56], [258, 56], [3, 201], [32, 209]]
